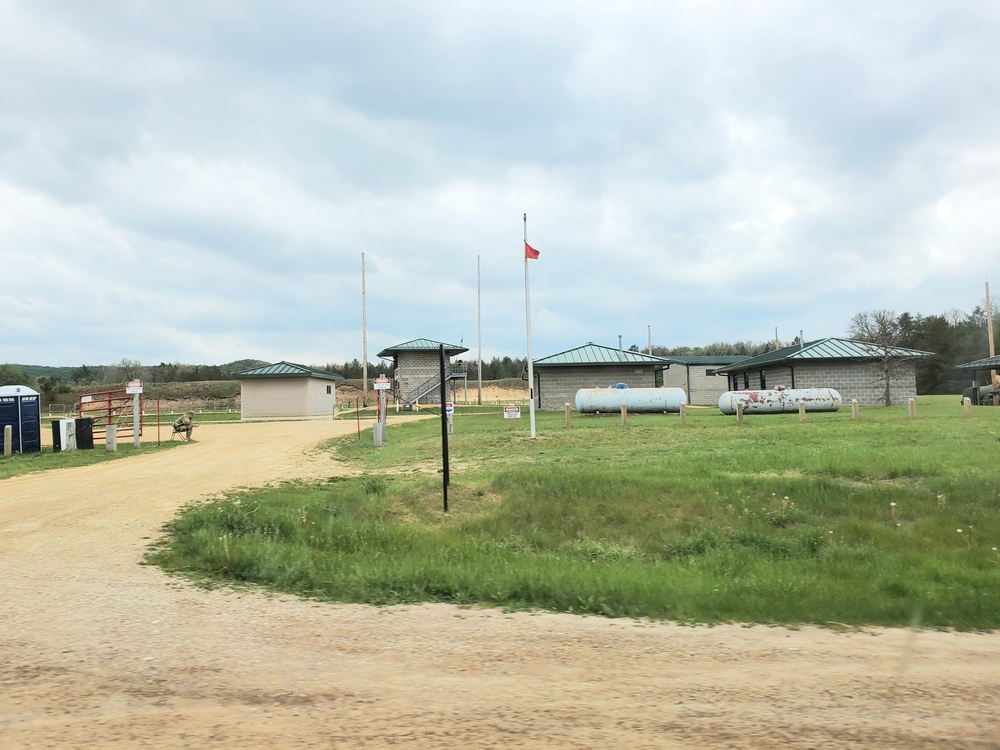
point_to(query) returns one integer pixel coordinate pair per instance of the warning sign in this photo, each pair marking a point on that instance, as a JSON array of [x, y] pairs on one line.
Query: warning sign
[[512, 412], [381, 384], [133, 386]]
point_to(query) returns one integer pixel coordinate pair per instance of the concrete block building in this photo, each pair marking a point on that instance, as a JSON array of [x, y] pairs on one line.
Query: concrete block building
[[698, 376], [286, 390], [559, 376], [852, 368], [416, 369]]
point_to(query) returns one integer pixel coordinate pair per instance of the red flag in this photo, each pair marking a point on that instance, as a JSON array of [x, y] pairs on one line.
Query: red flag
[[530, 252]]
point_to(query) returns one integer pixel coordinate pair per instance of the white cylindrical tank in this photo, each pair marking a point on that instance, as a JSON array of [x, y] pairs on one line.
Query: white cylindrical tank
[[638, 400], [780, 400]]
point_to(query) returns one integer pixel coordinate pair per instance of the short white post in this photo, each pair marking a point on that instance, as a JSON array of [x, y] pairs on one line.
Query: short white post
[[111, 439], [802, 411], [566, 407], [8, 438], [624, 415], [912, 404], [967, 406], [684, 414], [739, 412], [855, 410]]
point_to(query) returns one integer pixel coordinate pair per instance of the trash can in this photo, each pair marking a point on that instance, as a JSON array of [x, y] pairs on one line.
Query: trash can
[[85, 433], [56, 436]]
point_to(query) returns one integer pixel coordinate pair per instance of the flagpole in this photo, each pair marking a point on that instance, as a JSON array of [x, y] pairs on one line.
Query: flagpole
[[527, 320]]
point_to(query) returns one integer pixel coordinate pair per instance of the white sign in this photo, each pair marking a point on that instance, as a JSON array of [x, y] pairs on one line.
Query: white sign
[[512, 412], [133, 387], [381, 384], [449, 407]]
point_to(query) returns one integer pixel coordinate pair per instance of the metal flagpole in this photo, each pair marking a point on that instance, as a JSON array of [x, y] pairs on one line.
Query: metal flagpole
[[527, 320], [364, 336]]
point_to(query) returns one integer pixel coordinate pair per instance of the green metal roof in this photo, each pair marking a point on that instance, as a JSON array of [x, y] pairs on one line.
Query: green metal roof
[[422, 345], [595, 354], [286, 370], [990, 363], [820, 351]]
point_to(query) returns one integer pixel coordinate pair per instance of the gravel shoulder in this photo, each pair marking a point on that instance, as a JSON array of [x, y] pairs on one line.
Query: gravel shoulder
[[97, 650]]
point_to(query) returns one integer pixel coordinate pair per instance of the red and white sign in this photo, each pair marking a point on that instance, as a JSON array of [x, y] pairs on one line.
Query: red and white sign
[[133, 386], [512, 412], [449, 407], [381, 384]]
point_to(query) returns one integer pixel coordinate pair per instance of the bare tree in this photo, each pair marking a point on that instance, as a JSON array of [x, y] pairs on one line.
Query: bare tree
[[129, 369], [882, 328]]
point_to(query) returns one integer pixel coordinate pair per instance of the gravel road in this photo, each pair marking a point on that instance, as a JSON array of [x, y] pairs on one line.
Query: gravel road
[[97, 650]]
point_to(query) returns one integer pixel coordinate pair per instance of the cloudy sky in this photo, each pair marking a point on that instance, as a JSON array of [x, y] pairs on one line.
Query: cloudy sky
[[196, 181]]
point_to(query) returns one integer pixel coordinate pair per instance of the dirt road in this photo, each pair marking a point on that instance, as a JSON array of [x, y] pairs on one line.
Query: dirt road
[[99, 651]]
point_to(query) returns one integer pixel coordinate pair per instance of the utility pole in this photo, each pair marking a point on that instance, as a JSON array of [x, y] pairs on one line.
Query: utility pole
[[364, 337], [479, 328], [989, 332]]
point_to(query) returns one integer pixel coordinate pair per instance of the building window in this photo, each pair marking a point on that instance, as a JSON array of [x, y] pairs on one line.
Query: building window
[[763, 382], [710, 373], [329, 390], [746, 381]]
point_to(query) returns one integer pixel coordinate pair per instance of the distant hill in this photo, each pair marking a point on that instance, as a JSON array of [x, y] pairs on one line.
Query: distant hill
[[33, 372]]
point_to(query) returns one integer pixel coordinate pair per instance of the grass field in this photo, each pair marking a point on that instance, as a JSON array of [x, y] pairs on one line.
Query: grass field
[[887, 521]]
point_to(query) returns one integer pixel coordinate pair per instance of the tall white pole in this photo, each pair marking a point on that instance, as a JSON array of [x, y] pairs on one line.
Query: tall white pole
[[479, 328], [527, 321], [989, 332], [649, 338], [364, 337]]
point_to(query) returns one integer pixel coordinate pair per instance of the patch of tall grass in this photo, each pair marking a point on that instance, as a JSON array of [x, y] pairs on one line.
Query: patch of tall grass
[[773, 521]]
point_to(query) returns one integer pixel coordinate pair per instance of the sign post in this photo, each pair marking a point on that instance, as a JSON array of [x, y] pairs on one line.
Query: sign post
[[134, 387], [449, 409]]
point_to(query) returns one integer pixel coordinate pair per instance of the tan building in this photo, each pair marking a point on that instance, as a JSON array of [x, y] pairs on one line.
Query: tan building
[[286, 390]]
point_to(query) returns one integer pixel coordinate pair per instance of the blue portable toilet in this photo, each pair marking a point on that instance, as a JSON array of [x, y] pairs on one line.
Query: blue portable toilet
[[21, 408]]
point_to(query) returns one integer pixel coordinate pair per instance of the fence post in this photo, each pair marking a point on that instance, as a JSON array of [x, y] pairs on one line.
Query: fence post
[[684, 413], [802, 411], [567, 416], [624, 415], [967, 406], [855, 411], [111, 438], [912, 404], [8, 438], [739, 413]]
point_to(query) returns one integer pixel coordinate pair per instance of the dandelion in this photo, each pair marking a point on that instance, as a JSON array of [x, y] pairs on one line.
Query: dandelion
[[958, 530]]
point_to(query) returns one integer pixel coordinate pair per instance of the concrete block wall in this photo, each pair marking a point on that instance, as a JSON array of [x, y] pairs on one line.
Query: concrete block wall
[[860, 380], [267, 398], [701, 389], [557, 386], [413, 369]]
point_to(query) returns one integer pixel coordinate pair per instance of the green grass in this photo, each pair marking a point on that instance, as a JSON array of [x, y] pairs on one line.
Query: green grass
[[832, 521]]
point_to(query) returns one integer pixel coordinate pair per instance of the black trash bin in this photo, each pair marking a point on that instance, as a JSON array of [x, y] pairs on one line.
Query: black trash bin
[[85, 433], [56, 437]]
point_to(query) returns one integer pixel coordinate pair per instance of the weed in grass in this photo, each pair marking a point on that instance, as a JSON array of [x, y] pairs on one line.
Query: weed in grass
[[696, 525]]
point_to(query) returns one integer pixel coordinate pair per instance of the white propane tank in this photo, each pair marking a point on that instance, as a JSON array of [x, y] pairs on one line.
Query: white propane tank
[[780, 400], [638, 400]]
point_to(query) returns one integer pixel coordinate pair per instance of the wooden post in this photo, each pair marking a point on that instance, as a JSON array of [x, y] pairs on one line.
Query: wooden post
[[739, 413], [912, 404], [684, 413], [8, 438], [802, 411], [111, 439], [967, 406], [855, 410], [567, 416], [624, 415]]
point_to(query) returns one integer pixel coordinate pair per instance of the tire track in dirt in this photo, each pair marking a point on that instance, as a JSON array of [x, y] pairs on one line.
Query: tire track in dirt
[[97, 650]]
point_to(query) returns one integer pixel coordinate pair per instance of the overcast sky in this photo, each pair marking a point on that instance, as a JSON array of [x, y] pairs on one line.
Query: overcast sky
[[195, 182]]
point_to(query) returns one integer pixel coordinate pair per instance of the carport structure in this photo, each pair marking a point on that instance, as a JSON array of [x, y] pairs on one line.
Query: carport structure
[[989, 393]]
